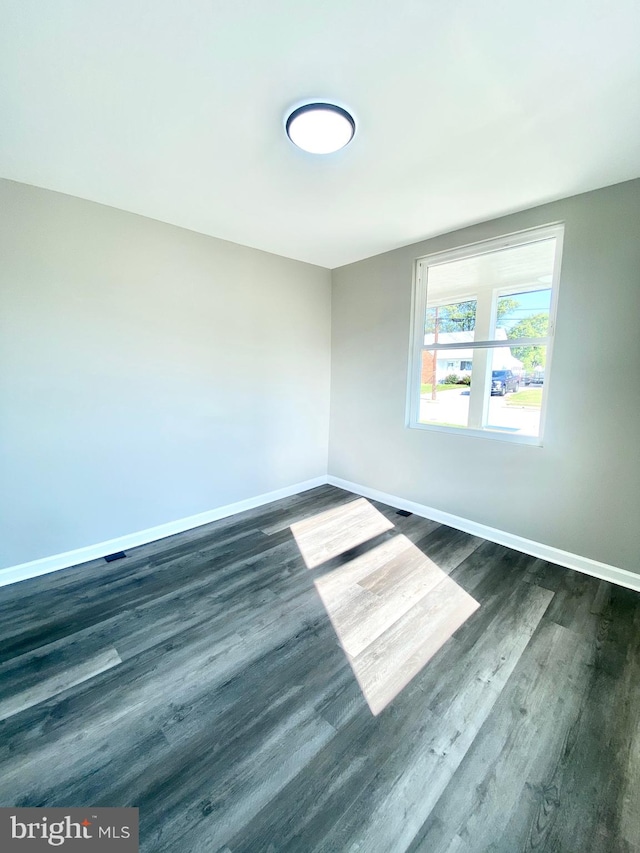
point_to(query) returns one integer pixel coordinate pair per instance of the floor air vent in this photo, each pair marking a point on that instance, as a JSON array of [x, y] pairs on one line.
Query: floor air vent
[[120, 555]]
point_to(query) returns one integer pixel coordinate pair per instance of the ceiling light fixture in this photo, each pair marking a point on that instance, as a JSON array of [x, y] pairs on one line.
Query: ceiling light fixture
[[320, 128]]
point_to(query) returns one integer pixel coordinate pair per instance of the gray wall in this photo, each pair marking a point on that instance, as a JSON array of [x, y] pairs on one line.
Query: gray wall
[[581, 490], [147, 373]]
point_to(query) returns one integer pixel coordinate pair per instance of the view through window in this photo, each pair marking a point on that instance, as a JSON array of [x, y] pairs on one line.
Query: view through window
[[483, 335]]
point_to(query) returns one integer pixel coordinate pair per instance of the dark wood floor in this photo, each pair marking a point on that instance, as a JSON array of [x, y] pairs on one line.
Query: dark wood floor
[[323, 674]]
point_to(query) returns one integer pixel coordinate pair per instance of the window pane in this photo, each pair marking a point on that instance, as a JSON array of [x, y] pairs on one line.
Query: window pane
[[516, 267], [450, 324], [447, 402], [515, 390], [504, 394], [490, 296], [523, 315]]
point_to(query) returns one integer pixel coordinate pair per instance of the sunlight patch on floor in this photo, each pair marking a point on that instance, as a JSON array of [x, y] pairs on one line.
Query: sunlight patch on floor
[[331, 533], [392, 608]]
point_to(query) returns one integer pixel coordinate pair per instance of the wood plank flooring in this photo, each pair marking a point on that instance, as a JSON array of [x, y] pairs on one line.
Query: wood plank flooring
[[322, 675]]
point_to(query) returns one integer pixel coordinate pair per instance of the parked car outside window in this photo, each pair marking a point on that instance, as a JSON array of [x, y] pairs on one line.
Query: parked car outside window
[[534, 377], [503, 381]]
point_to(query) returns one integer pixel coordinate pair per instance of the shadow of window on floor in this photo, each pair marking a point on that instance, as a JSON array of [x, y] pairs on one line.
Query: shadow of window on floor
[[391, 607]]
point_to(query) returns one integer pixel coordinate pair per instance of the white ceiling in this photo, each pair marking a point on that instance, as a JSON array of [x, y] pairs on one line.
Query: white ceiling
[[466, 109]]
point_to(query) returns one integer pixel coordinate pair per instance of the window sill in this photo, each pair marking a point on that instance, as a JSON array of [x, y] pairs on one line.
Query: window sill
[[492, 434]]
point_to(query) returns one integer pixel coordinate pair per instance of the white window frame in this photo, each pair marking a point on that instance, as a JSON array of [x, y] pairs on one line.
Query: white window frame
[[418, 313]]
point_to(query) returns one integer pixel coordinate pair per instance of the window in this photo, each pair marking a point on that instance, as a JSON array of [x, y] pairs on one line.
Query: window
[[488, 311]]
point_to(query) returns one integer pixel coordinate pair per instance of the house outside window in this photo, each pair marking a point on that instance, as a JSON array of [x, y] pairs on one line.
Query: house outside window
[[483, 326]]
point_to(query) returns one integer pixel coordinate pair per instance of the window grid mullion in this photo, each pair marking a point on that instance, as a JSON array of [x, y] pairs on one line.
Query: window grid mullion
[[510, 342]]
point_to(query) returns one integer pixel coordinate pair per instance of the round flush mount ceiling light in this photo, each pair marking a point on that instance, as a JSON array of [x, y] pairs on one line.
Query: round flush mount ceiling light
[[320, 128]]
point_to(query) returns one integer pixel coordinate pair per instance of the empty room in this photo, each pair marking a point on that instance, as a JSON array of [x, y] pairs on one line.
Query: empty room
[[319, 424]]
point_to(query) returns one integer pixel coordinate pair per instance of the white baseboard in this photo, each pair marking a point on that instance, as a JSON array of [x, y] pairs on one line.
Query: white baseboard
[[587, 566], [33, 569]]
